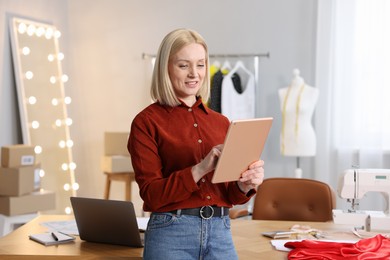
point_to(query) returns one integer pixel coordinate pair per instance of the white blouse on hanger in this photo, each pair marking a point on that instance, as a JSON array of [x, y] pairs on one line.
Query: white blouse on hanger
[[236, 105]]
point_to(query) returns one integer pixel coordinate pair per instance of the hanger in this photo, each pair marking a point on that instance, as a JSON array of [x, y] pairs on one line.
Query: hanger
[[216, 64], [226, 65], [240, 65]]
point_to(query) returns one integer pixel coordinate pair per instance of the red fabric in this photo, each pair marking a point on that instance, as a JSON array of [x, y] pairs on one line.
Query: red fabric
[[377, 248], [164, 143]]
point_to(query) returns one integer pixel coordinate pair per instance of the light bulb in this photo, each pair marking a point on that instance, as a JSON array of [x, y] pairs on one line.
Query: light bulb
[[29, 75], [26, 51], [75, 186], [68, 121], [58, 122], [49, 33], [64, 78], [32, 100], [57, 34], [54, 102], [31, 30], [38, 149], [69, 143], [66, 186], [62, 144], [41, 173], [60, 56], [22, 28], [53, 80], [67, 100], [72, 166], [68, 210], [64, 166], [50, 57], [35, 124], [40, 31]]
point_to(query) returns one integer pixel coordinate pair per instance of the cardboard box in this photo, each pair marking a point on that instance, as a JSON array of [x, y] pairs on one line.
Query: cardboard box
[[18, 181], [32, 202], [116, 163], [17, 155], [115, 143]]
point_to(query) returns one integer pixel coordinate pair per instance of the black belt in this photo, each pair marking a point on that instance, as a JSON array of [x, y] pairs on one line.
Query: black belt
[[205, 212]]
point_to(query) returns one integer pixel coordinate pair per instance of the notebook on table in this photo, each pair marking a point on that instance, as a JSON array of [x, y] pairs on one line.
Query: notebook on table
[[106, 221]]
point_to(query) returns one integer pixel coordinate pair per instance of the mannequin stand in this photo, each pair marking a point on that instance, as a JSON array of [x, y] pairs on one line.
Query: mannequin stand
[[298, 170]]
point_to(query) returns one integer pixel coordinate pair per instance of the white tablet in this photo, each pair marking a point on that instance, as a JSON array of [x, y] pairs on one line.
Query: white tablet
[[243, 145]]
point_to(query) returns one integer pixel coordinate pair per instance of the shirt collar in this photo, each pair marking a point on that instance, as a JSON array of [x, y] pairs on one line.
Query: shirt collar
[[199, 103]]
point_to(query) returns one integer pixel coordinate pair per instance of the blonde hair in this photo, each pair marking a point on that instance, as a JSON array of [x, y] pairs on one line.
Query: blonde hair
[[161, 88]]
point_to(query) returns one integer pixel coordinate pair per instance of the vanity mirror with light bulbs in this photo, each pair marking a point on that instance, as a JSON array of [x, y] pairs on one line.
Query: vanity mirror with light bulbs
[[44, 121]]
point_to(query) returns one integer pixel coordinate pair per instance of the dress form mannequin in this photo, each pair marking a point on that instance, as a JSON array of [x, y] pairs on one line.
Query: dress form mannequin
[[297, 103]]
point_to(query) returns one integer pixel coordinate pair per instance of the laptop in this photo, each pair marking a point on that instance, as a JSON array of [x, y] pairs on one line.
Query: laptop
[[106, 221], [243, 145]]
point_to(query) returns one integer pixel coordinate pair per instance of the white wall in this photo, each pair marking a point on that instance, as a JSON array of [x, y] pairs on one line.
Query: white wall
[[39, 10], [103, 41]]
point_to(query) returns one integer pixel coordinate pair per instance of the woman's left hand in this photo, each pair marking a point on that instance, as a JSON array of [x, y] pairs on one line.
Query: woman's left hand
[[252, 178]]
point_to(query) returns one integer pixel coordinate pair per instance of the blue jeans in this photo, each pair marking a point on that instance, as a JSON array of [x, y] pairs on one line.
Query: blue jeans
[[183, 237]]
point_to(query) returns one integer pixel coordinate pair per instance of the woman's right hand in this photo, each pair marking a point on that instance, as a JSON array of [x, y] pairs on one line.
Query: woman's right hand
[[208, 163]]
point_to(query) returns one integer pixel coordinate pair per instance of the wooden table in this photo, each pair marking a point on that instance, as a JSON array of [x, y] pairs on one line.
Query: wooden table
[[249, 242]]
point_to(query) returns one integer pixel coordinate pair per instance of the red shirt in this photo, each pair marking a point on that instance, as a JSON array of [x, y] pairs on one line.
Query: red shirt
[[165, 143]]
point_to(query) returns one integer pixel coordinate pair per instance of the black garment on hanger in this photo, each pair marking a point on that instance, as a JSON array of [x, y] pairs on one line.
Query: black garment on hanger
[[216, 89], [237, 83], [215, 93]]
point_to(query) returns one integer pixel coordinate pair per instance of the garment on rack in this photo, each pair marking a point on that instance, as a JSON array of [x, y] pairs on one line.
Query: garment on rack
[[217, 73], [214, 101], [216, 89], [215, 93], [236, 104]]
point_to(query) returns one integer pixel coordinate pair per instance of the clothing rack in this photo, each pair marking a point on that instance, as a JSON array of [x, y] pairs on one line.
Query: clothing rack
[[256, 57], [267, 55]]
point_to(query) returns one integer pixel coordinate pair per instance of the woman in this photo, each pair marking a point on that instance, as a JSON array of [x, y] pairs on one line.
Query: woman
[[174, 145]]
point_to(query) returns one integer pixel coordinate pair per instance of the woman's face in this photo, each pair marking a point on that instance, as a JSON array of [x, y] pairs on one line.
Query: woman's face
[[187, 69]]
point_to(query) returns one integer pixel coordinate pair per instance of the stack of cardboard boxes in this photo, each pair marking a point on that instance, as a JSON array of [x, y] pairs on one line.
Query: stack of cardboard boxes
[[20, 191], [116, 157]]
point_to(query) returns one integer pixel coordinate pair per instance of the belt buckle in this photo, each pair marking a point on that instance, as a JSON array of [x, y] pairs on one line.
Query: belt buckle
[[202, 210]]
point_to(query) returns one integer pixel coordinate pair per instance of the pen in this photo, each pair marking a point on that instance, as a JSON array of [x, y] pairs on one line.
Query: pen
[[54, 236]]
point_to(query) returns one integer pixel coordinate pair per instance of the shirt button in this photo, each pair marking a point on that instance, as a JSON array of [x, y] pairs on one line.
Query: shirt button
[[203, 180], [190, 109], [195, 125], [208, 197], [199, 140]]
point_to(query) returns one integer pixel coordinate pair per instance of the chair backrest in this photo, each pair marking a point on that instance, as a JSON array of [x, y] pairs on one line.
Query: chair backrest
[[294, 199]]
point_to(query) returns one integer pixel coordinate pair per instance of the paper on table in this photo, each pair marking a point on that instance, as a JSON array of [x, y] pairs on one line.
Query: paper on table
[[142, 223], [67, 226], [70, 227]]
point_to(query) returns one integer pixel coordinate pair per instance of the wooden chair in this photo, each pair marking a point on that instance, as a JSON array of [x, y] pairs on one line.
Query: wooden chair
[[292, 199]]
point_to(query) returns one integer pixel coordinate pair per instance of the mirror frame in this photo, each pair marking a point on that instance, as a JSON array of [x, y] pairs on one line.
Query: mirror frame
[[43, 105]]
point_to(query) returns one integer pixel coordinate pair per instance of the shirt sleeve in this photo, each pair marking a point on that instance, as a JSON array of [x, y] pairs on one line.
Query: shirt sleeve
[[155, 190], [236, 196]]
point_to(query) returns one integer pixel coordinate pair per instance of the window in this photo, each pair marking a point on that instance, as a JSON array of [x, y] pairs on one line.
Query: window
[[361, 74]]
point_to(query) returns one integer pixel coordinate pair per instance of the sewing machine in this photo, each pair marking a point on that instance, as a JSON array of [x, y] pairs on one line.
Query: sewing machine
[[353, 185]]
